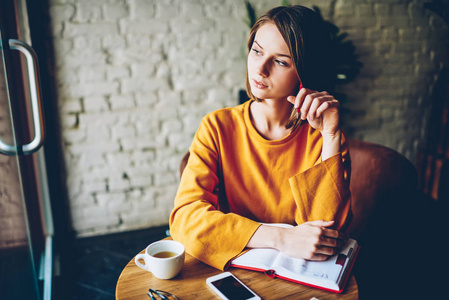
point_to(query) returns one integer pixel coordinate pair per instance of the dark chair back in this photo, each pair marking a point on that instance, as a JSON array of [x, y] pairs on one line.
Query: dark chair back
[[381, 178]]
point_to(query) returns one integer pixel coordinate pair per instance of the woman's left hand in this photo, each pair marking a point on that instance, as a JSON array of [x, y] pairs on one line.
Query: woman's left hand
[[320, 109]]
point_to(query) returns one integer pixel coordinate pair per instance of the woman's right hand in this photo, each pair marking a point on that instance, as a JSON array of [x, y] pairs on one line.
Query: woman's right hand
[[313, 240]]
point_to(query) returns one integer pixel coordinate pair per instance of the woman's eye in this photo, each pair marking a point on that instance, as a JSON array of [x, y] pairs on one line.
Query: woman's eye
[[281, 63], [256, 51]]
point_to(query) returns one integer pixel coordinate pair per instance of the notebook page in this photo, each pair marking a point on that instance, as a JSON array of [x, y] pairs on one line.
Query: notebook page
[[257, 258]]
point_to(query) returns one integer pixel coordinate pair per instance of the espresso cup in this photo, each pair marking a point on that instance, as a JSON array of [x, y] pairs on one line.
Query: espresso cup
[[163, 258]]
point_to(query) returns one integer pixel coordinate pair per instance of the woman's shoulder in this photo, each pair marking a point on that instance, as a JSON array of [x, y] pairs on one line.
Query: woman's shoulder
[[226, 115], [221, 124]]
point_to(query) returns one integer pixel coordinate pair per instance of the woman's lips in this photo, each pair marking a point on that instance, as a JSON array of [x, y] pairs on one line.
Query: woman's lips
[[259, 84]]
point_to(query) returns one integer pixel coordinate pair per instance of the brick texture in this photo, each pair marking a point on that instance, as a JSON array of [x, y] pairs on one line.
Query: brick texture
[[136, 76]]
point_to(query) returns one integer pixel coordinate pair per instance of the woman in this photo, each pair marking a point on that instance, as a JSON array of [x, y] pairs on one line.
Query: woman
[[261, 163]]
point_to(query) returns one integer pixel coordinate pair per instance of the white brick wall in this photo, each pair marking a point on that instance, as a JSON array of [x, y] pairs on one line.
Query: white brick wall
[[136, 76]]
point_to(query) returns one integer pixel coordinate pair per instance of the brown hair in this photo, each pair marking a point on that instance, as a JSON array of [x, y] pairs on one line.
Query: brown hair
[[308, 40]]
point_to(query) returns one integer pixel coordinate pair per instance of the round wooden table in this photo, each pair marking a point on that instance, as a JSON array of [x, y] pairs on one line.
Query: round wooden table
[[134, 283]]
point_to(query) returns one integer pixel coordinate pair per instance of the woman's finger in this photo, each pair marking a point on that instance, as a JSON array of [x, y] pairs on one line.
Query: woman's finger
[[307, 102], [300, 97], [318, 257], [332, 233], [297, 100], [330, 242], [292, 100], [328, 251], [327, 105], [318, 102]]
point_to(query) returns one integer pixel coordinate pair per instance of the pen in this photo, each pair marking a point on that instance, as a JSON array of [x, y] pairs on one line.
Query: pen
[[298, 114], [341, 258]]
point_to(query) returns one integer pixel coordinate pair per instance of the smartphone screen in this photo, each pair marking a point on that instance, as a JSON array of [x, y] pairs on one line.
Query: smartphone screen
[[232, 289]]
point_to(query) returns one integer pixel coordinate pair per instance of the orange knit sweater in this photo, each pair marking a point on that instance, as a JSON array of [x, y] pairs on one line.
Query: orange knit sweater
[[235, 179]]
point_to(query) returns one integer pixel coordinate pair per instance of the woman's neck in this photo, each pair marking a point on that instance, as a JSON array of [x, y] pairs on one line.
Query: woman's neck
[[270, 117]]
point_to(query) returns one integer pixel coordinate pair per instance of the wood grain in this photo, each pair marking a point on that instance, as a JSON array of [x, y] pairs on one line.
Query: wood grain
[[134, 283]]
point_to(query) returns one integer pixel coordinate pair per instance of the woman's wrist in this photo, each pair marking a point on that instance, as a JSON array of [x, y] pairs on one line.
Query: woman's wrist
[[331, 135], [331, 144], [266, 237]]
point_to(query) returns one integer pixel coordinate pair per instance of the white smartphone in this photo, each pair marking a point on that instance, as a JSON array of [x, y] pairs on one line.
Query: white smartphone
[[228, 287]]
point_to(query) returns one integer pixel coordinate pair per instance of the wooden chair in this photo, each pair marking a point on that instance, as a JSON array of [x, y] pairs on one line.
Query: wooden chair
[[380, 177], [384, 204]]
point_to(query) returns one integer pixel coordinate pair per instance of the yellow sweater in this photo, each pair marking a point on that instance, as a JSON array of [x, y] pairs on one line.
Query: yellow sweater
[[235, 179]]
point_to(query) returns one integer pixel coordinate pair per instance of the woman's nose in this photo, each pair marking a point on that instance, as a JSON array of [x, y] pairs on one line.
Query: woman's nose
[[263, 68]]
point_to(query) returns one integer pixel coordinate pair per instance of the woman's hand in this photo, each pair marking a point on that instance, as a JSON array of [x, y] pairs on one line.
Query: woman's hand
[[320, 109], [311, 240]]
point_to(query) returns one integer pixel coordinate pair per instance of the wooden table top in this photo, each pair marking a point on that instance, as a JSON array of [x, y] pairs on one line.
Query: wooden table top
[[134, 283]]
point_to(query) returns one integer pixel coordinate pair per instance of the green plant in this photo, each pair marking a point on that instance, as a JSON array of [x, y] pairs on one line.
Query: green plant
[[250, 13], [347, 61], [440, 7]]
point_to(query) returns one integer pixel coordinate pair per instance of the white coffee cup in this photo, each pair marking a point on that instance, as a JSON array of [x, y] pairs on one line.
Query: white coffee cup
[[163, 258]]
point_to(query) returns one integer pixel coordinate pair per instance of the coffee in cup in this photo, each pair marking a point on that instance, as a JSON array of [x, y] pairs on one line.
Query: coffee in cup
[[163, 258], [164, 254]]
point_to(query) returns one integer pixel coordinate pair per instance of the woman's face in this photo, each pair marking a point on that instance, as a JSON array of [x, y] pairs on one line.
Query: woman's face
[[271, 72]]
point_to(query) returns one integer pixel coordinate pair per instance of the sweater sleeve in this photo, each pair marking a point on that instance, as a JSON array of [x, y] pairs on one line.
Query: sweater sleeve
[[322, 192], [208, 233]]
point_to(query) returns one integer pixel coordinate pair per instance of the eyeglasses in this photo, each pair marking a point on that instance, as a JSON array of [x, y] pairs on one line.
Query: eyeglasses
[[158, 294]]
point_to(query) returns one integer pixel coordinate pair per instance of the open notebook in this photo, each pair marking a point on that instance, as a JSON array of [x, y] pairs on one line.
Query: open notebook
[[331, 274]]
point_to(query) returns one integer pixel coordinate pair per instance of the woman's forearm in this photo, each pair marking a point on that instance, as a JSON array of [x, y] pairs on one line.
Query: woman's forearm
[[331, 145], [266, 237]]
